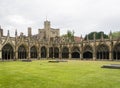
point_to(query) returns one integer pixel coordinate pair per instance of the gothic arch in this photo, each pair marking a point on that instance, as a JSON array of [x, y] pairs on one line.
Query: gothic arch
[[88, 52], [56, 52], [116, 52], [51, 52], [43, 52], [33, 52], [65, 52], [22, 52], [75, 52], [7, 52], [102, 51]]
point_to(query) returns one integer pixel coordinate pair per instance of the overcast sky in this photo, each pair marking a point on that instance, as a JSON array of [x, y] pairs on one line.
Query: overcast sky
[[82, 16]]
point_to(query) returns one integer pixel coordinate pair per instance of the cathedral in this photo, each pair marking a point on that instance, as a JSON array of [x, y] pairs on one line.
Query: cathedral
[[48, 44]]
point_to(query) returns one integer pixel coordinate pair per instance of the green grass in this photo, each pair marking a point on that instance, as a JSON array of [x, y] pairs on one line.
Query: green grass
[[71, 74]]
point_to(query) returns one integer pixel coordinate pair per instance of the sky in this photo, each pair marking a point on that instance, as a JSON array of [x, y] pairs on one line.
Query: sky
[[82, 16]]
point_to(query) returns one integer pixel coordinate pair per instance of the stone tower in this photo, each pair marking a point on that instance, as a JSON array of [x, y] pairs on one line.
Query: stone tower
[[29, 31], [1, 32], [47, 30]]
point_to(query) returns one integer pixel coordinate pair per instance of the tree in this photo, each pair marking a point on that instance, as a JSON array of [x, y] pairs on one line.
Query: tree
[[69, 36], [98, 35], [116, 34]]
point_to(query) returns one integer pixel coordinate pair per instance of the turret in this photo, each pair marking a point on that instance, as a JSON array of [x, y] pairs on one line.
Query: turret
[[46, 25], [102, 35], [16, 33], [29, 31], [110, 35], [1, 32], [87, 37], [8, 33], [94, 36]]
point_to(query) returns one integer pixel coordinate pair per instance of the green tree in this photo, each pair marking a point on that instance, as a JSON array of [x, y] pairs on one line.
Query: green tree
[[98, 35], [69, 36], [116, 34]]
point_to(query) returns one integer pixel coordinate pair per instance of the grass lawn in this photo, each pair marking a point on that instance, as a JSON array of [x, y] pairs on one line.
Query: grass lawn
[[71, 74]]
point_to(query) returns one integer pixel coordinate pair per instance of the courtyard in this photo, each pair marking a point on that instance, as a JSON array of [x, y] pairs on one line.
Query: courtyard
[[71, 74]]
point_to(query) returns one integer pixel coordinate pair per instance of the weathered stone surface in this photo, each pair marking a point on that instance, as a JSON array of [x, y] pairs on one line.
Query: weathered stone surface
[[112, 66]]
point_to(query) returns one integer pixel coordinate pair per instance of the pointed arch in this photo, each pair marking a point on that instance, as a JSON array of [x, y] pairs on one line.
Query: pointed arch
[[22, 52], [51, 52], [75, 52], [116, 52], [65, 52], [102, 51], [88, 52], [43, 52], [33, 52], [7, 52], [56, 52]]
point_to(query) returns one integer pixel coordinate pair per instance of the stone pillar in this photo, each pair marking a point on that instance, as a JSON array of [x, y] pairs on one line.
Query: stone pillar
[[81, 55], [110, 55], [60, 53], [28, 57], [70, 52], [110, 52], [81, 52], [39, 52], [0, 54], [94, 55], [47, 53], [16, 55], [70, 55]]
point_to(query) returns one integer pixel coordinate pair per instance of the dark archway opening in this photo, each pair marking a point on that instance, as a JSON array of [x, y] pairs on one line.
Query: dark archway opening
[[22, 54], [51, 52], [7, 52], [56, 52], [75, 55], [102, 52], [116, 55], [116, 52], [33, 52], [65, 52], [43, 52], [87, 55]]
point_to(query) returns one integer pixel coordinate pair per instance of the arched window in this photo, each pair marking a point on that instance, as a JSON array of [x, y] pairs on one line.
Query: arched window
[[43, 52], [51, 52], [33, 52], [116, 52], [87, 52], [22, 53], [75, 52], [65, 52], [7, 52], [56, 52], [102, 52]]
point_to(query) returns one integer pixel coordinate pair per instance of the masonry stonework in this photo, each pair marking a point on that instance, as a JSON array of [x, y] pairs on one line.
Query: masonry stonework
[[48, 44]]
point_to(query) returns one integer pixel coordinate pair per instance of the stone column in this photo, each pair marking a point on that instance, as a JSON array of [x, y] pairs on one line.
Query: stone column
[[110, 52], [28, 52], [60, 53], [81, 52], [0, 54], [81, 55], [110, 55], [16, 55], [94, 50], [39, 52], [70, 52], [70, 55], [47, 53]]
